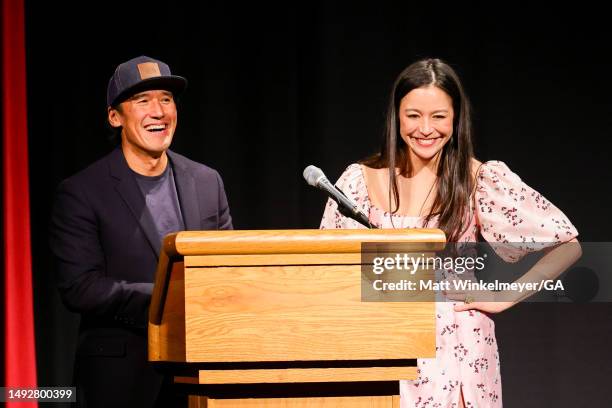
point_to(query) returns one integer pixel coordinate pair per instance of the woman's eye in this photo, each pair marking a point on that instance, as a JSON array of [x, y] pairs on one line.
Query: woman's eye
[[413, 116], [439, 117]]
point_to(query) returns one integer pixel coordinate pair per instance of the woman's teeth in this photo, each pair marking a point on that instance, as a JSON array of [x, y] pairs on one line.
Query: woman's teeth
[[425, 142]]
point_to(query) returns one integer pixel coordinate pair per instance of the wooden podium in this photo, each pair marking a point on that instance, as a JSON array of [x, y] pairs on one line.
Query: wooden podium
[[274, 318]]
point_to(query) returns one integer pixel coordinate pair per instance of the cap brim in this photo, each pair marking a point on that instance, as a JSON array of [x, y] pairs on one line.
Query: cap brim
[[173, 83]]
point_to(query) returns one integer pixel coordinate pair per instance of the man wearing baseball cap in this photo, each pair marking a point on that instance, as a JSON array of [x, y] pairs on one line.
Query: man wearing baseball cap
[[106, 230]]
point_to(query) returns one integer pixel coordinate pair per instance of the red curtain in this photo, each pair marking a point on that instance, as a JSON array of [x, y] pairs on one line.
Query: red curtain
[[19, 352]]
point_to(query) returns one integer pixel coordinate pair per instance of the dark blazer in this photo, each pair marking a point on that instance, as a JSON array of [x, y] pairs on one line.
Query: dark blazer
[[106, 248]]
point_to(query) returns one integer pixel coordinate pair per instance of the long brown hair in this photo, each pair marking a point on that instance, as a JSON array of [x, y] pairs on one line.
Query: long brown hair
[[454, 166]]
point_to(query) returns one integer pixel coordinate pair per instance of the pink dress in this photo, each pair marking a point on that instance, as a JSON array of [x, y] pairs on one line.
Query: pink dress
[[504, 209]]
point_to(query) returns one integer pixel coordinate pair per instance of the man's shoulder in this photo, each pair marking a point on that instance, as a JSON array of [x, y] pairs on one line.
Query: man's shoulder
[[193, 167]]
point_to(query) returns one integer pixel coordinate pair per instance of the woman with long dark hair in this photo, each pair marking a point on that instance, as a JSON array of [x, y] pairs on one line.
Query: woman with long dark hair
[[425, 175]]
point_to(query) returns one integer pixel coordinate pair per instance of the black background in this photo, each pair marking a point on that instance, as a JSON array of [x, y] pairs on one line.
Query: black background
[[275, 88]]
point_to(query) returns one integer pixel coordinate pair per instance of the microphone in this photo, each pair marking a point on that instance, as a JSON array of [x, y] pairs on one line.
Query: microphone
[[316, 178]]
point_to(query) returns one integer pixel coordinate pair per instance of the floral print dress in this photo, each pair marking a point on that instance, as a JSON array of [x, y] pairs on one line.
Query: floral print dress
[[504, 209]]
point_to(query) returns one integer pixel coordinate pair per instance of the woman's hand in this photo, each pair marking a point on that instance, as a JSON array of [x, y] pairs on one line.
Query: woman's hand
[[555, 260], [478, 300], [488, 307]]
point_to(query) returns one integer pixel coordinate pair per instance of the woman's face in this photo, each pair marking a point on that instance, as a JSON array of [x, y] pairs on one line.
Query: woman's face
[[426, 121]]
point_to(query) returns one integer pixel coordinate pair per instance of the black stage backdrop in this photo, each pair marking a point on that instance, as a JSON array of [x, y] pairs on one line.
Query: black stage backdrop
[[275, 88]]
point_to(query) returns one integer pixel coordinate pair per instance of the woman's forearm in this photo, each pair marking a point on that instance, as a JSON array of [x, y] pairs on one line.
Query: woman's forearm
[[549, 267]]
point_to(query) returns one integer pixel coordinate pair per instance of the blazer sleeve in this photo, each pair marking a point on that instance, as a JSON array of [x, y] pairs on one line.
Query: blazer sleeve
[[225, 219], [82, 279]]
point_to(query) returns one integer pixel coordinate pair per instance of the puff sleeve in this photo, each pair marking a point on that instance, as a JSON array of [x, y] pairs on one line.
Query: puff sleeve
[[352, 184], [515, 218]]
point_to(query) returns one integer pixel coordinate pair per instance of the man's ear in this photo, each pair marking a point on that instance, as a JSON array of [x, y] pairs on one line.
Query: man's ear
[[114, 117]]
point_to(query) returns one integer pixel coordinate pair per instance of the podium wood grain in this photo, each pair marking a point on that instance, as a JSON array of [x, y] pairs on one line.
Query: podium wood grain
[[302, 313]]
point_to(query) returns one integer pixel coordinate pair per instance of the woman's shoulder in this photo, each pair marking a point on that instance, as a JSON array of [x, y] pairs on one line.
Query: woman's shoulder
[[352, 179], [484, 172], [353, 172], [490, 165], [352, 183]]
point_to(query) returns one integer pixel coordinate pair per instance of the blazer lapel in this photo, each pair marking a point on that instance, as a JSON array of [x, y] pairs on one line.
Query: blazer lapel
[[187, 194], [128, 189]]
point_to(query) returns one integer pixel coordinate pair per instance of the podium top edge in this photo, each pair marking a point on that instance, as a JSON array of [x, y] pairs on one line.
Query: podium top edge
[[296, 241]]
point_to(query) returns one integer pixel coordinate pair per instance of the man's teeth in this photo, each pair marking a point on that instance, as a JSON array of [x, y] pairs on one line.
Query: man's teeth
[[155, 127]]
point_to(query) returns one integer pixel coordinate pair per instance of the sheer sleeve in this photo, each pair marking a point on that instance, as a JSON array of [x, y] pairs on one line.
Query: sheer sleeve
[[515, 218], [352, 184]]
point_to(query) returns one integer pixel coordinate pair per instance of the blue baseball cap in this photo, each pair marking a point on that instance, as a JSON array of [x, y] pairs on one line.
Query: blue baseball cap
[[141, 74]]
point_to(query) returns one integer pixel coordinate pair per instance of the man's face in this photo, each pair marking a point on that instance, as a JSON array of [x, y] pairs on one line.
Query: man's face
[[148, 120]]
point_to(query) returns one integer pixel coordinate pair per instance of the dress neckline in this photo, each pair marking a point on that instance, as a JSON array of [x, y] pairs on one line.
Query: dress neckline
[[371, 206]]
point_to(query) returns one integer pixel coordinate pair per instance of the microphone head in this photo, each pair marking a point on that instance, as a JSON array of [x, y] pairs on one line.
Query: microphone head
[[312, 174]]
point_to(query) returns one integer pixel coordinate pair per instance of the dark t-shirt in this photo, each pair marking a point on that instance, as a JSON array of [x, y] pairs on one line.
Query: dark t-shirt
[[162, 201]]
